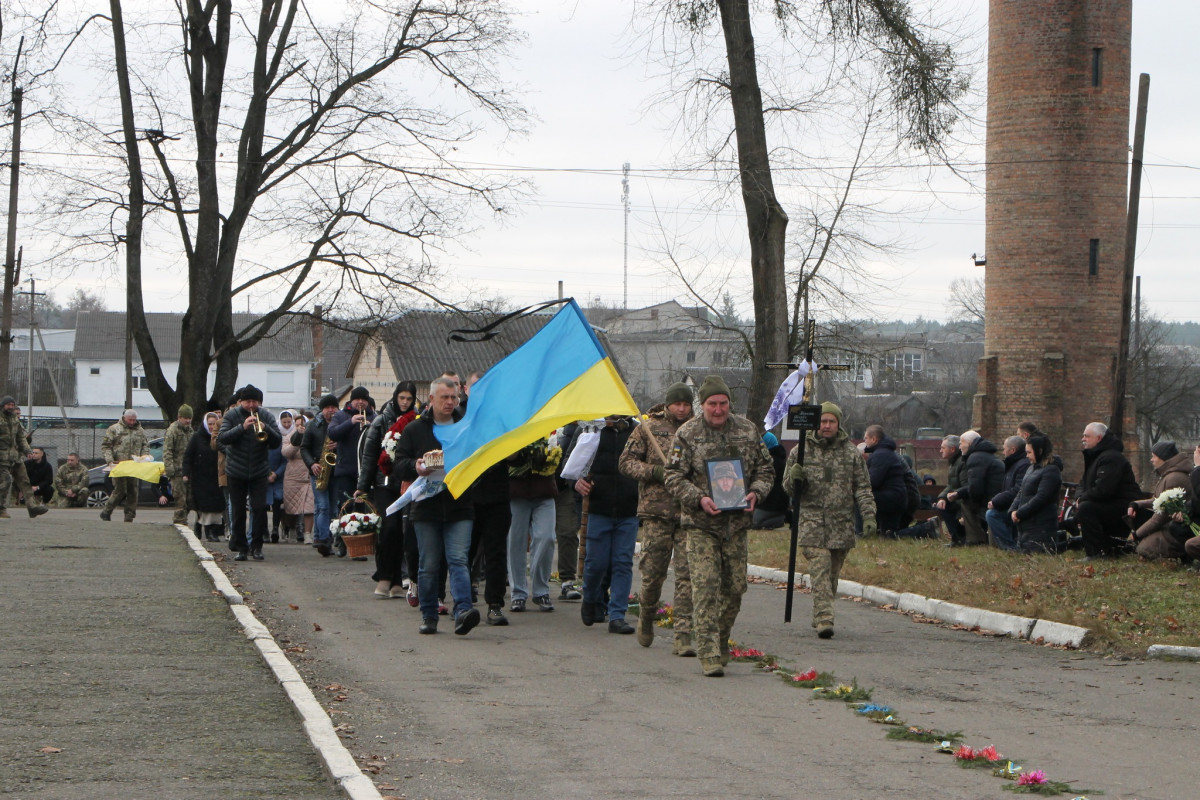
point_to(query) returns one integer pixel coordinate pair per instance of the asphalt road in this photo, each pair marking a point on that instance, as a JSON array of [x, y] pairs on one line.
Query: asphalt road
[[547, 708]]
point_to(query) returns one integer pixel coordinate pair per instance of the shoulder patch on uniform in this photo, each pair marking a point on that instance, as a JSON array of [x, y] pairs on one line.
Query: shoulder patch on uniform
[[676, 454]]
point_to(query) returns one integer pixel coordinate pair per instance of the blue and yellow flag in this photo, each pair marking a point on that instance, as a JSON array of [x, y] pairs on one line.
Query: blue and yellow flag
[[560, 375]]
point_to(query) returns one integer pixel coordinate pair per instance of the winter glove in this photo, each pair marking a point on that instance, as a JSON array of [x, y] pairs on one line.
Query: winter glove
[[797, 475], [659, 474], [870, 528]]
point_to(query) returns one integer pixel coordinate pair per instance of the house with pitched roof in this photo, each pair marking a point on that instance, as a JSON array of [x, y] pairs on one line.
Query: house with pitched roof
[[281, 364]]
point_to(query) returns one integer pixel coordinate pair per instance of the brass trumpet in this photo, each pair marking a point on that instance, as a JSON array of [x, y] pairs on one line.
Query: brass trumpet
[[260, 432]]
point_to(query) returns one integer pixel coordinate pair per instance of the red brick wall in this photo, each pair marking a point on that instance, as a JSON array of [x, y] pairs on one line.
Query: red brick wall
[[1057, 176]]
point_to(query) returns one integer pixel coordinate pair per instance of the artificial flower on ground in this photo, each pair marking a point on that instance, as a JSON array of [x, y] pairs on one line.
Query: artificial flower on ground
[[983, 757], [913, 733], [664, 617], [745, 654], [875, 713], [846, 692]]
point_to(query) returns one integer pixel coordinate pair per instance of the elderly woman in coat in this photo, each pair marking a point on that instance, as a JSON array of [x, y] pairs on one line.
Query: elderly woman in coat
[[297, 488], [199, 469], [833, 480], [1035, 511]]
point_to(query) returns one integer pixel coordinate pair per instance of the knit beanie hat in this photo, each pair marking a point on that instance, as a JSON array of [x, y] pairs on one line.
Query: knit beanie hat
[[1165, 449], [831, 408], [713, 384], [327, 401], [679, 393], [185, 411], [8, 398], [360, 393], [770, 440]]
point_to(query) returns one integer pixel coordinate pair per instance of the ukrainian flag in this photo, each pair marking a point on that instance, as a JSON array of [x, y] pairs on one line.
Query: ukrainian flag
[[560, 375]]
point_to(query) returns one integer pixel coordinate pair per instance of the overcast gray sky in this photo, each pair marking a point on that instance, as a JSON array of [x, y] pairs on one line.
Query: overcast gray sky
[[591, 88]]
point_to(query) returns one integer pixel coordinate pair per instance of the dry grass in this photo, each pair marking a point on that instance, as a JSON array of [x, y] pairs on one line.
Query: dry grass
[[1127, 603]]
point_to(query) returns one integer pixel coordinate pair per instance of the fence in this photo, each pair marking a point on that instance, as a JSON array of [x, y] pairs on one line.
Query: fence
[[83, 437]]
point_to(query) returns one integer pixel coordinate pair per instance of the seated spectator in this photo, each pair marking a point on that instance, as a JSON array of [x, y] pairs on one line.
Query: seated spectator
[[982, 479], [887, 479], [1191, 547], [772, 511], [71, 483], [1107, 489], [947, 509], [1035, 509], [41, 475], [1158, 537], [1000, 525]]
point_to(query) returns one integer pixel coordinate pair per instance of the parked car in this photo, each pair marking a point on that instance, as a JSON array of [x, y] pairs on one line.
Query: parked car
[[100, 485]]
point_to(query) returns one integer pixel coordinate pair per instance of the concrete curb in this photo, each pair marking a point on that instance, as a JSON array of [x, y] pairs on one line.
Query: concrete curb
[[1173, 651], [338, 761], [1034, 630]]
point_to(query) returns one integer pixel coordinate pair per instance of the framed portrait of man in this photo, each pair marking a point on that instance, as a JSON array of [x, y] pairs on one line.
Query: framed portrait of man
[[727, 483]]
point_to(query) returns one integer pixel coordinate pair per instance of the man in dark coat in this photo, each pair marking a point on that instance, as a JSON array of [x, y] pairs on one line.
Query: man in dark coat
[[246, 467], [41, 475], [312, 450], [1107, 489], [981, 479], [1001, 528], [886, 469], [346, 428], [947, 509]]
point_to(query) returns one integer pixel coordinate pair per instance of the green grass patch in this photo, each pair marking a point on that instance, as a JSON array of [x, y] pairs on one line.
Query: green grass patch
[[1127, 603]]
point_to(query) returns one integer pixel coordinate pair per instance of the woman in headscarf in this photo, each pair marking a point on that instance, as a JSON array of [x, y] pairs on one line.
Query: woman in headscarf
[[276, 466], [200, 471], [297, 488]]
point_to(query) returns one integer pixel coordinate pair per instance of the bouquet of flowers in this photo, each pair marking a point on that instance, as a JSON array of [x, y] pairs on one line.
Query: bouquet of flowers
[[387, 447], [1172, 502], [355, 523]]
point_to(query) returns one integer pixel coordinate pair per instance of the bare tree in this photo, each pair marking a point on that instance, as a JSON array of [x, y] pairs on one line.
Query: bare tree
[[288, 157], [967, 304], [1165, 385], [923, 84]]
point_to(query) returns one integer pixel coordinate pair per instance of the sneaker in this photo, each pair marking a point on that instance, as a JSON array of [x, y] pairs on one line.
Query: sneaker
[[240, 555], [411, 595], [518, 605], [495, 615], [619, 626], [442, 610], [542, 601], [465, 621], [428, 625], [569, 592], [256, 555]]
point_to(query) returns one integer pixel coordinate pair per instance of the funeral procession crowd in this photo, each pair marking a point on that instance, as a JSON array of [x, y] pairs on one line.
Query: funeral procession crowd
[[689, 479]]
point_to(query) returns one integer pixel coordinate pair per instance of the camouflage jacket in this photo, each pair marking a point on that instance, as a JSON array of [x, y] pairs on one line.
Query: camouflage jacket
[[687, 475], [639, 460], [13, 444], [837, 479], [122, 442], [74, 478], [174, 445]]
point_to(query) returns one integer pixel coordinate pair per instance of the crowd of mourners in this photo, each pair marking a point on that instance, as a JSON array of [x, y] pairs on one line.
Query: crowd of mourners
[[688, 478]]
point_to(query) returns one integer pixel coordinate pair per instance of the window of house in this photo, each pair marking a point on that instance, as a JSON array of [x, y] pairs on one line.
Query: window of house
[[905, 364], [141, 382], [718, 359], [654, 313], [691, 356], [281, 380], [94, 371]]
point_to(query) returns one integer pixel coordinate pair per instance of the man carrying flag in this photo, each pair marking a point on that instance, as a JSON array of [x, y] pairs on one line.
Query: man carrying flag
[[442, 522]]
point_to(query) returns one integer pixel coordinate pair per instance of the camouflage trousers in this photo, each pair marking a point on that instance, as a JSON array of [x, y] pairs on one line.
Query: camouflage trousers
[[125, 493], [824, 567], [718, 567], [15, 474], [659, 538], [183, 495]]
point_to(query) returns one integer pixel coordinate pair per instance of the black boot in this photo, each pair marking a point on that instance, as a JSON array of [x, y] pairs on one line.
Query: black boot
[[213, 532], [587, 613], [199, 532]]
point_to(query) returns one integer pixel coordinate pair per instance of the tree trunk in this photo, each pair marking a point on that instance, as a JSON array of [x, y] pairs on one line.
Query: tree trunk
[[765, 218]]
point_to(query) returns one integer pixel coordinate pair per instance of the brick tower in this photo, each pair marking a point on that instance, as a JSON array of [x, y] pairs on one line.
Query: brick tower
[[1057, 156]]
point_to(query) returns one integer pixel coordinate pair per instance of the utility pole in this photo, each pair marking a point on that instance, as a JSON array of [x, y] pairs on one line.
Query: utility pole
[[1121, 379], [34, 294], [625, 203], [11, 274]]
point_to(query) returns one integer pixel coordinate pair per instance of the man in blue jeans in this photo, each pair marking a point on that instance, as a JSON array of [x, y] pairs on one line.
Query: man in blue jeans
[[312, 450], [442, 522]]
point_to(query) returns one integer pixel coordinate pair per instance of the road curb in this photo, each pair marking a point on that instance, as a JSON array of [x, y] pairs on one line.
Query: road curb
[[1173, 651], [337, 760], [1038, 631]]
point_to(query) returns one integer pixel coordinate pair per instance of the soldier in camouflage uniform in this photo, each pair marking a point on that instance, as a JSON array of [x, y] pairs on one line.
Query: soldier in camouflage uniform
[[833, 478], [71, 483], [644, 459], [716, 540], [124, 441], [14, 446], [175, 442]]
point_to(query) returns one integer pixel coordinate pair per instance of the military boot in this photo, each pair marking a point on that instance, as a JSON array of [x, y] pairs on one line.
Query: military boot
[[724, 650], [713, 668], [129, 515], [645, 625], [825, 631], [683, 646]]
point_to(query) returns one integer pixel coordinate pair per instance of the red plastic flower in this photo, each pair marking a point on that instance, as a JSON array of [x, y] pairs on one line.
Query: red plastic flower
[[811, 675], [989, 753], [1035, 778], [965, 753]]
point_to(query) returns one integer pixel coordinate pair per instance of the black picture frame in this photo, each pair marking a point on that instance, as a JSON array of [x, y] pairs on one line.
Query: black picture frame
[[732, 498]]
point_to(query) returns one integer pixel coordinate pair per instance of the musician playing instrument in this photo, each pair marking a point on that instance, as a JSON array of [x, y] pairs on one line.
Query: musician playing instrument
[[346, 429], [247, 433], [315, 454]]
